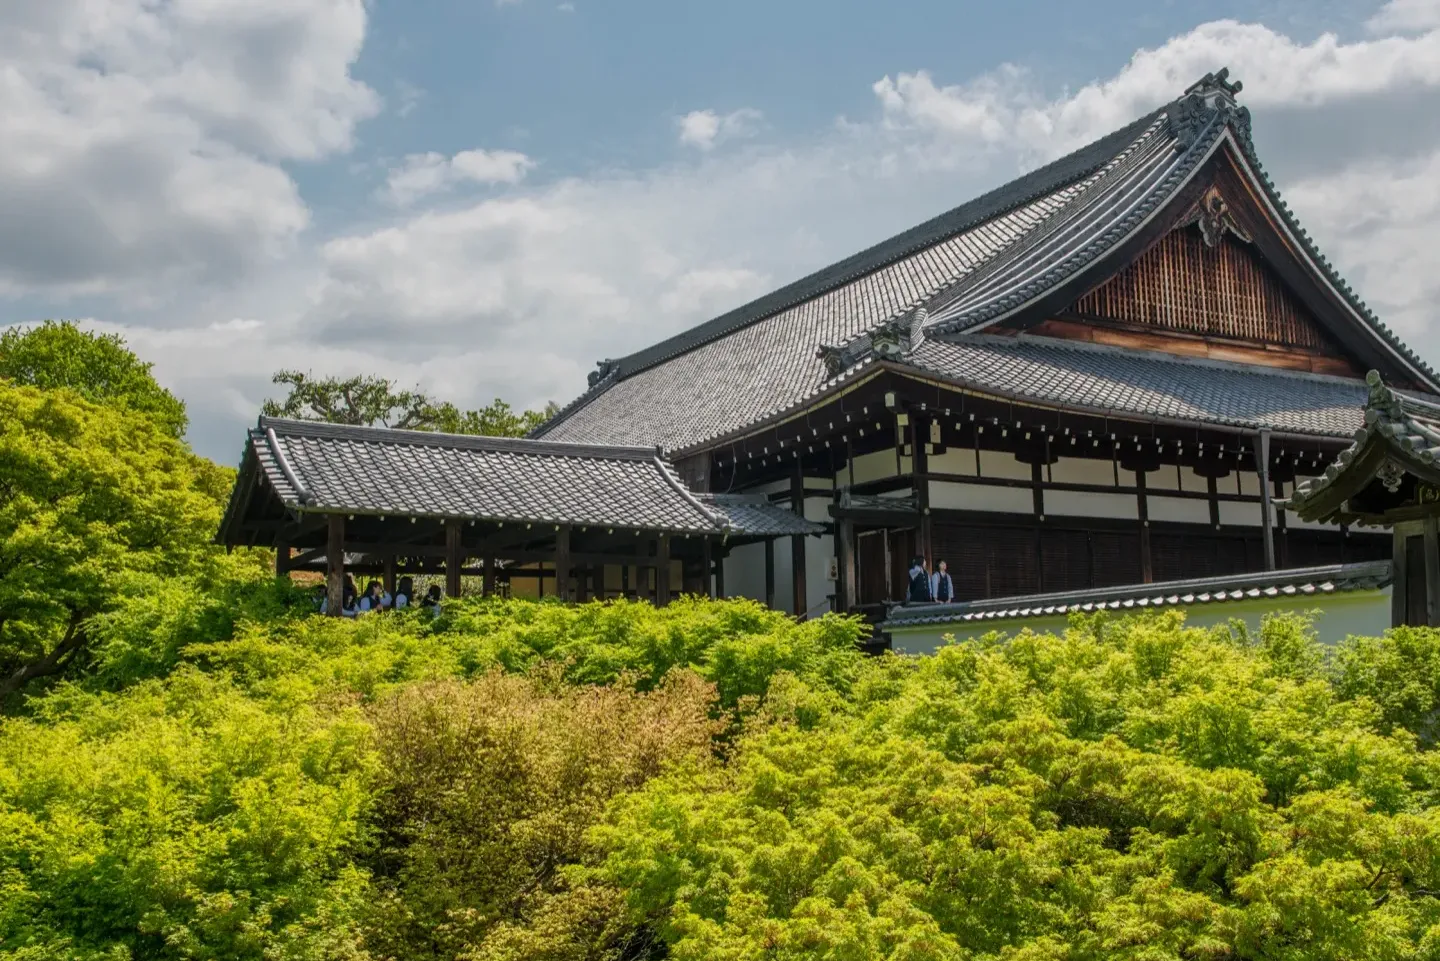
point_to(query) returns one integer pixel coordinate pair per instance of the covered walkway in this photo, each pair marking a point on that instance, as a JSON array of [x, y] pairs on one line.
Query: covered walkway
[[591, 521]]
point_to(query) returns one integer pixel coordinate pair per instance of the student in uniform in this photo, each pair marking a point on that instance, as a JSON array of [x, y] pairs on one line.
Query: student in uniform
[[919, 582], [403, 592], [370, 600], [942, 589], [431, 600]]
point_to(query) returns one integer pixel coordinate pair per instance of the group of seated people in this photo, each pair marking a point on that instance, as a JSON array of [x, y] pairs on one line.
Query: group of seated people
[[376, 598], [928, 588]]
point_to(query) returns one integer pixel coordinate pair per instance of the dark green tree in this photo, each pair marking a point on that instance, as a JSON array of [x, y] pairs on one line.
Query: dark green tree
[[91, 497], [367, 400], [99, 367]]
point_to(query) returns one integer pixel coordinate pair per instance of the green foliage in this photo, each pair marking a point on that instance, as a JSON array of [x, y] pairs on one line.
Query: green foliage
[[98, 367], [519, 780], [94, 504], [369, 400], [182, 819]]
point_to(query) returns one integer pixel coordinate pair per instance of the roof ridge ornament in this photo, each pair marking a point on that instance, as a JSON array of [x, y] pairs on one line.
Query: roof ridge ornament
[[1208, 100], [604, 369]]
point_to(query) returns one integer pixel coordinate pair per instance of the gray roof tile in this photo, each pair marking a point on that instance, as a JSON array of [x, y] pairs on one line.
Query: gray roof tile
[[1299, 583], [368, 470], [968, 268], [1145, 384]]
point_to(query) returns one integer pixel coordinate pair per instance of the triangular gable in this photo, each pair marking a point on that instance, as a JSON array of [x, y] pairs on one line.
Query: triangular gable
[[1204, 285]]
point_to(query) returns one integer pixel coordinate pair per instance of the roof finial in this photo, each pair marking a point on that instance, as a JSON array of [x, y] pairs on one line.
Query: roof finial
[[1217, 84], [1209, 99]]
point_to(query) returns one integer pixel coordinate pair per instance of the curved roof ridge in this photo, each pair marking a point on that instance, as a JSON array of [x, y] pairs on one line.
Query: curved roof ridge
[[1071, 169], [322, 430]]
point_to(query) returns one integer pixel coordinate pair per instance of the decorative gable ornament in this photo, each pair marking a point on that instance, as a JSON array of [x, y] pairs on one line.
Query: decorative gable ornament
[[1212, 215], [835, 359]]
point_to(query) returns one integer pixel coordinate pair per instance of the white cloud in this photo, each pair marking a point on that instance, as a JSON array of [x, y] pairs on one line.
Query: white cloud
[[1403, 16], [706, 129], [423, 174], [142, 139], [1004, 108], [519, 293]]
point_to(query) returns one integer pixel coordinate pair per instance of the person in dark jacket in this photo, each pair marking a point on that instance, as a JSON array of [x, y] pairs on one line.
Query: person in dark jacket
[[919, 582], [942, 589]]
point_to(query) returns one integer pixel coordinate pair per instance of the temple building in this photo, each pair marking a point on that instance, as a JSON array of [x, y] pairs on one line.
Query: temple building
[[1112, 371], [1130, 367]]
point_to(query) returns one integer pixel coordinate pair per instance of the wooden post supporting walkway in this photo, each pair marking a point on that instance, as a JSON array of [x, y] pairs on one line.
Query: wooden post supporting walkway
[[335, 566]]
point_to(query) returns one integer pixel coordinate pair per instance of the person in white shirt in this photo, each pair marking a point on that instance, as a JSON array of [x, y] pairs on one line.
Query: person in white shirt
[[403, 592], [942, 589]]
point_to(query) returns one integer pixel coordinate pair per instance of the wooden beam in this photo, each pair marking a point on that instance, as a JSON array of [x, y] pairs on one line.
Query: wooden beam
[[845, 540], [770, 574], [920, 467], [662, 570], [1267, 516], [1432, 570], [389, 575], [454, 558], [335, 566], [1399, 608], [1147, 567], [797, 542], [562, 563]]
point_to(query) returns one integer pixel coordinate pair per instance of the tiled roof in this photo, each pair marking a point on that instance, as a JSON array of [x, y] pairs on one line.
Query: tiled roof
[[753, 515], [1404, 431], [966, 269], [1299, 584], [1144, 384], [723, 376], [377, 471]]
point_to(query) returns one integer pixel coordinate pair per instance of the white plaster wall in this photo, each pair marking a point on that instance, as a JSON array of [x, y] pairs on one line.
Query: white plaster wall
[[1178, 509], [947, 495], [1240, 515], [1354, 613], [1081, 504], [745, 572], [877, 465], [954, 460], [1085, 470], [998, 463]]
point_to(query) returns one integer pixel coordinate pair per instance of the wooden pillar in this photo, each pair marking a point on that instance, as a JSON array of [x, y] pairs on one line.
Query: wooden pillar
[[1282, 547], [845, 537], [598, 572], [797, 542], [707, 569], [487, 581], [282, 558], [454, 558], [1147, 567], [662, 571], [562, 563], [1267, 519], [582, 584], [335, 566], [1399, 608], [720, 576], [1432, 571], [920, 470], [389, 575], [770, 573], [1212, 486]]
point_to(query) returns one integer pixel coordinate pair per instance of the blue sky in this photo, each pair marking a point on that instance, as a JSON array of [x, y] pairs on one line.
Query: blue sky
[[486, 198]]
